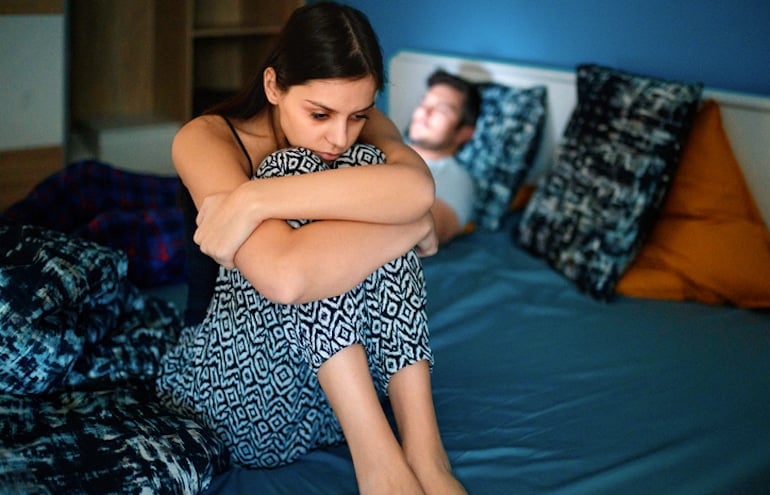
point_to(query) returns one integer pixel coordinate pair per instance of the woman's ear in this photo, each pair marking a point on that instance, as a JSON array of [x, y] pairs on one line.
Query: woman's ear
[[271, 88]]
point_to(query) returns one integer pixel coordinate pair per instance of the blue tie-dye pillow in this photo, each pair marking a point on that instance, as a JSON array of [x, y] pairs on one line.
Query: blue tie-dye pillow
[[591, 212], [503, 148]]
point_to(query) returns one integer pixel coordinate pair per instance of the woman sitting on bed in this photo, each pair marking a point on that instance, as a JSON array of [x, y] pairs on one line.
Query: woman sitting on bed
[[309, 320]]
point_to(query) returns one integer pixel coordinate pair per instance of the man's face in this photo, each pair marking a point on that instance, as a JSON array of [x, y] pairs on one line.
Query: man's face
[[436, 120]]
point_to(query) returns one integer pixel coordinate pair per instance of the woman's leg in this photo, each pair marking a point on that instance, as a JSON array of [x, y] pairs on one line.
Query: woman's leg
[[412, 401], [379, 462], [399, 356], [393, 341]]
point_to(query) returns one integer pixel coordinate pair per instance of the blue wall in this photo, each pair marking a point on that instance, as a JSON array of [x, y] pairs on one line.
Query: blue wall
[[723, 46]]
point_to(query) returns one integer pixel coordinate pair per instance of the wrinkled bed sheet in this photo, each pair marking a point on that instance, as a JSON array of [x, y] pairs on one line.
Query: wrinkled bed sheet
[[539, 389]]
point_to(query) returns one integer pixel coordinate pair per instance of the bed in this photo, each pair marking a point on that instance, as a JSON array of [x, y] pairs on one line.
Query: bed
[[548, 378]]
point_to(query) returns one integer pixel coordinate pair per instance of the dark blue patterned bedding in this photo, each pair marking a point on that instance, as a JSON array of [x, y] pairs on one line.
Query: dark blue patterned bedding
[[138, 214], [79, 350]]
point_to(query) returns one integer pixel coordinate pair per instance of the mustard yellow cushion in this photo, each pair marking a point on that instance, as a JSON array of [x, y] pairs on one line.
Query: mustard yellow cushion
[[710, 243]]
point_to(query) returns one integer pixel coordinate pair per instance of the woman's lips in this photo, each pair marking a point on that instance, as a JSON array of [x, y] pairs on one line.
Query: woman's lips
[[328, 157]]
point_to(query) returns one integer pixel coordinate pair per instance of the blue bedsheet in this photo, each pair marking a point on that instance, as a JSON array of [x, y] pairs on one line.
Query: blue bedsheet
[[541, 389]]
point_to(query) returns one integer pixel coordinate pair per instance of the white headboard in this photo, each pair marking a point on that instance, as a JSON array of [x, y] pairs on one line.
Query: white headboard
[[746, 117]]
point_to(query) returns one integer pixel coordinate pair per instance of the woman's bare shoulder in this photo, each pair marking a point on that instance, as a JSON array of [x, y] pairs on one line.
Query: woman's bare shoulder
[[204, 140], [210, 135], [203, 126]]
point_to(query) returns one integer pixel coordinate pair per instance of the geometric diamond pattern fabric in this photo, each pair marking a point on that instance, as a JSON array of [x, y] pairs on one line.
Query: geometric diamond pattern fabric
[[249, 370]]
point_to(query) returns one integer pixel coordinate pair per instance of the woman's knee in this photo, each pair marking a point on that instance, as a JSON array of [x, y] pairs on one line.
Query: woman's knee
[[360, 154], [294, 161], [290, 161]]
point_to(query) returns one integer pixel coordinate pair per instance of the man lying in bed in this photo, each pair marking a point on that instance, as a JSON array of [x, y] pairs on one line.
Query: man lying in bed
[[443, 121]]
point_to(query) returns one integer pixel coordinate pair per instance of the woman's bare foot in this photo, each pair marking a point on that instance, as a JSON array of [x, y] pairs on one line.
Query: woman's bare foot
[[412, 401], [379, 462], [436, 478], [389, 479]]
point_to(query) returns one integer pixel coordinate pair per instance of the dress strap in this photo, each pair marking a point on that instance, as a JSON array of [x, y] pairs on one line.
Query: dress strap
[[240, 143]]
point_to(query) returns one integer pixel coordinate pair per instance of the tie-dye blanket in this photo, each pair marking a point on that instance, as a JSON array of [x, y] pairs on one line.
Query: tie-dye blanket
[[79, 351]]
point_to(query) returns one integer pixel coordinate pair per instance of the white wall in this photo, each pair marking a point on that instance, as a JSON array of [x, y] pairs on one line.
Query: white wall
[[32, 81]]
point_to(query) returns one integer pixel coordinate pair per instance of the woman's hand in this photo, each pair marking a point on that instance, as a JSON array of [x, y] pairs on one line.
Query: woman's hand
[[428, 245], [224, 225]]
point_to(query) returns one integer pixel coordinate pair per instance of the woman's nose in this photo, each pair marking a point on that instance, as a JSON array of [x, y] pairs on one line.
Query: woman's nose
[[338, 135]]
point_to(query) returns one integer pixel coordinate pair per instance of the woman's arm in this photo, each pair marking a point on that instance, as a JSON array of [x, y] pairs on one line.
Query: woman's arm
[[231, 206], [398, 193], [325, 258], [318, 260], [447, 224]]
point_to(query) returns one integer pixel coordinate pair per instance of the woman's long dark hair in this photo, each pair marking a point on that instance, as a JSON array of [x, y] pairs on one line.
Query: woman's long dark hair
[[323, 40]]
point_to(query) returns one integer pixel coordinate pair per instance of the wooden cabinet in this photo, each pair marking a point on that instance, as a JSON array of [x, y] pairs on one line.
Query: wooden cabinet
[[156, 60]]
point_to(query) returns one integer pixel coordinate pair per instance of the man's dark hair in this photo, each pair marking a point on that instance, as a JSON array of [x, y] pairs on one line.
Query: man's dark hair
[[470, 91]]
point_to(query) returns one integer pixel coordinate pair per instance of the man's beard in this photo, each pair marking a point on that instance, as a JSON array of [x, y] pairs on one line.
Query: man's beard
[[426, 144]]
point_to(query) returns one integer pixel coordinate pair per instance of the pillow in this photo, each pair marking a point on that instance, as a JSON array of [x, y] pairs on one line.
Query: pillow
[[590, 213], [69, 317], [503, 147], [709, 182], [710, 243]]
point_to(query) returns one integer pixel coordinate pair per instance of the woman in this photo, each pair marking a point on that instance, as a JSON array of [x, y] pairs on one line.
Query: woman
[[318, 316]]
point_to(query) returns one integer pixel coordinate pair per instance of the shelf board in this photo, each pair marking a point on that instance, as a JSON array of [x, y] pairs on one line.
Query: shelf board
[[31, 7], [234, 31], [126, 121]]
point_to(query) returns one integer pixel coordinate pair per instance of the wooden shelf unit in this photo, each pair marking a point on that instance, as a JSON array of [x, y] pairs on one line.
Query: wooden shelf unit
[[165, 59]]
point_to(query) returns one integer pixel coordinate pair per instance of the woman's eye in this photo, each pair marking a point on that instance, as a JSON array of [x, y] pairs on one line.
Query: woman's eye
[[318, 115], [361, 116]]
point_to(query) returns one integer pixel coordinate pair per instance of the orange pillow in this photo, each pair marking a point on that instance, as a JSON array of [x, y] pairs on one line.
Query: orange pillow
[[710, 243]]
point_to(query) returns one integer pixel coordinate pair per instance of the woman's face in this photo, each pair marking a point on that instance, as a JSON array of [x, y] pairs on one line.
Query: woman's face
[[324, 115]]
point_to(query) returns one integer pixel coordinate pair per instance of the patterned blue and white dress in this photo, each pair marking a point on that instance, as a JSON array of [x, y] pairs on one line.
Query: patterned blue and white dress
[[248, 370]]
